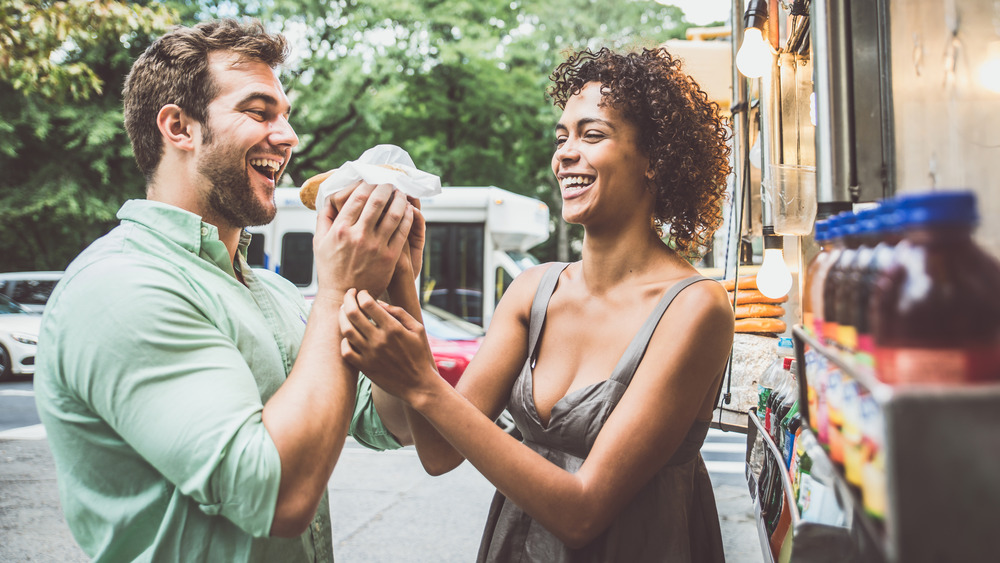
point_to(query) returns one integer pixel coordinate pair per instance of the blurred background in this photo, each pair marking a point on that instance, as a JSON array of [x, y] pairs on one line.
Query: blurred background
[[460, 84]]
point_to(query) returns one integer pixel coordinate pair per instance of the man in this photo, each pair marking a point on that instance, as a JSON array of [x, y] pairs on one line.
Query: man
[[192, 412]]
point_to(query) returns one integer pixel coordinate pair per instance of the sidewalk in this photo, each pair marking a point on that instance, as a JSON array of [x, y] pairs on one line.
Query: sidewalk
[[397, 512]]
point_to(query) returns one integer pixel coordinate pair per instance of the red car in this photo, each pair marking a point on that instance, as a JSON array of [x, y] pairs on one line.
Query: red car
[[453, 341]]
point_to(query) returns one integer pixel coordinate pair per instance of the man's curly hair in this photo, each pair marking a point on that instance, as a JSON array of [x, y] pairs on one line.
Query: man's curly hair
[[680, 130]]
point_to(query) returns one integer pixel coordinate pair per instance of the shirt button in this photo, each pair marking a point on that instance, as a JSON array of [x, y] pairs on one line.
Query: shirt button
[[204, 231], [316, 526]]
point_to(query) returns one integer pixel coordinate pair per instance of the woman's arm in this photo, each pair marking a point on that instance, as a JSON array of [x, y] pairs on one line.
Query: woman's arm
[[402, 292], [487, 380], [680, 369]]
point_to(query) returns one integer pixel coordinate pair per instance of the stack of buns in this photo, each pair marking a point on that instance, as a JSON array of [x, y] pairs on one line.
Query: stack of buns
[[755, 312]]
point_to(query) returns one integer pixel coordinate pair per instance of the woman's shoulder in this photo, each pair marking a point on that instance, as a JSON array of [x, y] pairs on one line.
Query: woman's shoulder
[[521, 292], [530, 279], [704, 302]]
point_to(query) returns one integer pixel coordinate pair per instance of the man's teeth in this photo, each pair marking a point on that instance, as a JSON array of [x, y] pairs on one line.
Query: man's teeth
[[576, 182], [265, 163]]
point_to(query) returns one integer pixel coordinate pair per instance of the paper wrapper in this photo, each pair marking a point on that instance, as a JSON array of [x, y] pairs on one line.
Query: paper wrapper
[[409, 180]]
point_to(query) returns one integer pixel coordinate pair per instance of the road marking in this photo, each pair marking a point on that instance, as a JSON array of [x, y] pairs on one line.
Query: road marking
[[36, 432], [16, 393], [733, 467], [724, 447], [731, 436]]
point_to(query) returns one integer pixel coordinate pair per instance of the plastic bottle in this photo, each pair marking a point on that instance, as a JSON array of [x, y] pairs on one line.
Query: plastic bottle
[[801, 464], [851, 433], [783, 407], [781, 390], [851, 301], [816, 366], [821, 237], [941, 323], [834, 396], [873, 477], [835, 278], [886, 233], [781, 529], [770, 494], [791, 426], [833, 247], [783, 349]]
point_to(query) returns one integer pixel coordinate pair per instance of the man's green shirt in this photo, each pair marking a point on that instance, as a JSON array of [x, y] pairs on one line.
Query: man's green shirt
[[154, 363]]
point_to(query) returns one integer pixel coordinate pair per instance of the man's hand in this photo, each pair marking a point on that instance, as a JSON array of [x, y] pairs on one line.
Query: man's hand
[[360, 245]]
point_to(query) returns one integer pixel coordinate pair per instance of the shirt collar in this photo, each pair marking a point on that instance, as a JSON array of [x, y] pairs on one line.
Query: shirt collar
[[182, 227]]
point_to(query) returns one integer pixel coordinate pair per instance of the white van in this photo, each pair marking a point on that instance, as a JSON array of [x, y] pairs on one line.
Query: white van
[[477, 242]]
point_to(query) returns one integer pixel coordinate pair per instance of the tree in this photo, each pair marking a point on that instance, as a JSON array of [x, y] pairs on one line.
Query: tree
[[42, 44], [66, 160], [460, 84]]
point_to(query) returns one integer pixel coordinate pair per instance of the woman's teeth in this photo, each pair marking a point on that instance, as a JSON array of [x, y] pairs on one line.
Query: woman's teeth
[[576, 182]]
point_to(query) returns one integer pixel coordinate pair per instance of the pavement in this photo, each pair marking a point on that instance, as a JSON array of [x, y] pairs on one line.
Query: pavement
[[384, 507]]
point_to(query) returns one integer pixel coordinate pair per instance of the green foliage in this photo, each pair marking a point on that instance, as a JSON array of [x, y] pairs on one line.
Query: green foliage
[[460, 84], [43, 44], [66, 161]]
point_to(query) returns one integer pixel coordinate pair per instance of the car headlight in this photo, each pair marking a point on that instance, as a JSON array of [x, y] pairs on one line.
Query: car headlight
[[25, 338]]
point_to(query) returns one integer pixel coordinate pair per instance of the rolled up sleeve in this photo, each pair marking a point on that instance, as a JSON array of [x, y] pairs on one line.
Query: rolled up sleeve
[[366, 425]]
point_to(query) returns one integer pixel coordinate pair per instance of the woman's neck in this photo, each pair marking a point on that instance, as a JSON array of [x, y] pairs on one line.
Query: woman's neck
[[625, 257]]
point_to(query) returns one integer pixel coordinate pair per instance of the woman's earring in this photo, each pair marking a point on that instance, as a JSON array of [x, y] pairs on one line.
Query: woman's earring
[[657, 225]]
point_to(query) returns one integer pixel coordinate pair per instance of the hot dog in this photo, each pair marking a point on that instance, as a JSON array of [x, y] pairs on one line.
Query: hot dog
[[311, 186]]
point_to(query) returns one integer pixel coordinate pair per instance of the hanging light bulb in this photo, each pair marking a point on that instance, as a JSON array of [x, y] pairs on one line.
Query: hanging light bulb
[[989, 72], [754, 58], [773, 279]]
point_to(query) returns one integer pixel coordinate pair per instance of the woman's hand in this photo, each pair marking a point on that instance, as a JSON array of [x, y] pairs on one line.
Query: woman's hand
[[415, 242], [387, 345]]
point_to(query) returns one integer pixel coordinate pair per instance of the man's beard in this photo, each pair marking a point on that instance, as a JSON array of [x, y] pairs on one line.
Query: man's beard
[[230, 197]]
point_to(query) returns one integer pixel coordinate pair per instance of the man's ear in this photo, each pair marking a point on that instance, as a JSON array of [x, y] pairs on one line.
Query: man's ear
[[176, 126]]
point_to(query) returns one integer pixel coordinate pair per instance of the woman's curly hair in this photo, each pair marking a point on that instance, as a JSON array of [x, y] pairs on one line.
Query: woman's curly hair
[[679, 128]]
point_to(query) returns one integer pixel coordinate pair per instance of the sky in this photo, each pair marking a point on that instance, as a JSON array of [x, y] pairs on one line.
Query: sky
[[701, 12]]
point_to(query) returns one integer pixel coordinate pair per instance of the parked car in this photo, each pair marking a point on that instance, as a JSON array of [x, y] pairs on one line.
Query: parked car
[[453, 341], [31, 290], [18, 338]]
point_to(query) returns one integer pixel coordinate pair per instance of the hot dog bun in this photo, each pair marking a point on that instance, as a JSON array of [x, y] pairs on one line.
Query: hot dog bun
[[760, 325], [745, 282], [311, 186], [745, 296], [759, 310]]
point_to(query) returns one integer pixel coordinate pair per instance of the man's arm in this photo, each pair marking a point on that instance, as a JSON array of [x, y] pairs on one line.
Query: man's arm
[[308, 417]]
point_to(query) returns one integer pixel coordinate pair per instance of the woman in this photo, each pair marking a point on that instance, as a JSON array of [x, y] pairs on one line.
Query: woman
[[612, 391]]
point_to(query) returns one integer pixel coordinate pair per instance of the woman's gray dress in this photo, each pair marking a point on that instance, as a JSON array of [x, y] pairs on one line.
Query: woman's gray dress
[[672, 518]]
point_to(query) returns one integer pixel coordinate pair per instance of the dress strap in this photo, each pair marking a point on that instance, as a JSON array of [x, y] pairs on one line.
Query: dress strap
[[540, 303], [637, 348]]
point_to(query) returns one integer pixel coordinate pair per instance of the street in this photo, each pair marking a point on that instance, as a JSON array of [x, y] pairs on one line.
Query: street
[[384, 507]]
